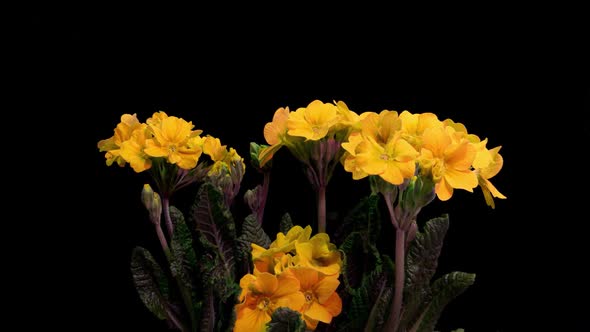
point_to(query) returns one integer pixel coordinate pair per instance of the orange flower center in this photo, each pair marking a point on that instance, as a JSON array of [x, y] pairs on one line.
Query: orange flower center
[[308, 296], [263, 303]]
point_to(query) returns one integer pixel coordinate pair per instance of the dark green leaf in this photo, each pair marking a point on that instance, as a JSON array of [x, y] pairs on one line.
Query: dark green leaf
[[444, 290], [183, 263], [284, 319], [422, 260], [150, 281], [364, 218], [252, 232], [286, 223], [215, 225]]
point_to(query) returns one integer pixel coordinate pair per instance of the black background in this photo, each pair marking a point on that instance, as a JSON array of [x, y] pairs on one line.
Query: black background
[[229, 72]]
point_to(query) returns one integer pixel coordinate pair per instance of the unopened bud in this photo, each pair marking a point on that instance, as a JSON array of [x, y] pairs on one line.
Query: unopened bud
[[152, 202]]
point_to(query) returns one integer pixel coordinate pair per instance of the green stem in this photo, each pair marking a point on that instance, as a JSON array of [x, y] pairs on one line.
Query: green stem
[[322, 209]]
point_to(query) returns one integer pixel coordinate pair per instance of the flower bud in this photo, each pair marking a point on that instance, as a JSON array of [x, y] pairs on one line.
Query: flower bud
[[151, 200]]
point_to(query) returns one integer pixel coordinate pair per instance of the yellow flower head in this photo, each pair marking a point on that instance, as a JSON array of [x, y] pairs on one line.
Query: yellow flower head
[[322, 302], [314, 121], [448, 162], [393, 161], [132, 150], [123, 132], [174, 140], [413, 126], [349, 158], [275, 134], [381, 127], [318, 253], [486, 172], [261, 295]]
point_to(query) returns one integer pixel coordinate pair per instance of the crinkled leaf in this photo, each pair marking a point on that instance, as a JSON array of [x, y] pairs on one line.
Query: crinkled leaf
[[286, 320], [252, 232], [183, 263], [286, 223], [150, 281], [444, 289], [215, 225], [422, 260]]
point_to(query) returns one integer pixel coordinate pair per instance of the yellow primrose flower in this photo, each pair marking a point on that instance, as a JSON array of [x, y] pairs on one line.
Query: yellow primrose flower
[[349, 158], [174, 140], [460, 131], [286, 242], [413, 126], [318, 253], [314, 121], [381, 127], [123, 133], [484, 173], [132, 150], [275, 134], [266, 260], [322, 302], [261, 296], [394, 161], [448, 163]]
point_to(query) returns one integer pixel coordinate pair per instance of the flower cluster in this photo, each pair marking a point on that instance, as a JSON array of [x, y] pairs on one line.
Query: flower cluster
[[297, 272], [230, 276], [393, 146]]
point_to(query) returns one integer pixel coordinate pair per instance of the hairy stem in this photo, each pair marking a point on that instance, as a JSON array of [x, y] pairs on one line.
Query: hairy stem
[[166, 208], [321, 209]]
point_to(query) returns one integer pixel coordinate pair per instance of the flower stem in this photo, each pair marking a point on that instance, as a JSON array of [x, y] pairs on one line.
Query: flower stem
[[321, 209], [263, 197], [163, 241], [166, 207]]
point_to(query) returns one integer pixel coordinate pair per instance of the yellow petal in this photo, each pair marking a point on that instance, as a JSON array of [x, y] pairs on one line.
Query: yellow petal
[[333, 304], [287, 284], [251, 320], [466, 180], [392, 174], [460, 156], [266, 283], [443, 190], [325, 288], [307, 277], [318, 312]]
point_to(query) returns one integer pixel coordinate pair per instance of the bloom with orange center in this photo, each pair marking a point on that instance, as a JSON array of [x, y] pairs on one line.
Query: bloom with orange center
[[261, 295], [448, 162], [322, 302], [314, 121], [393, 161], [174, 140], [486, 172], [319, 254]]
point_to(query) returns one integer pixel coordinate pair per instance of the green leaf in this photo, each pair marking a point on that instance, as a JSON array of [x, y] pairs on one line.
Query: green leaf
[[284, 319], [286, 223], [252, 232], [422, 260], [150, 281], [364, 218], [183, 263], [215, 225], [444, 290]]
